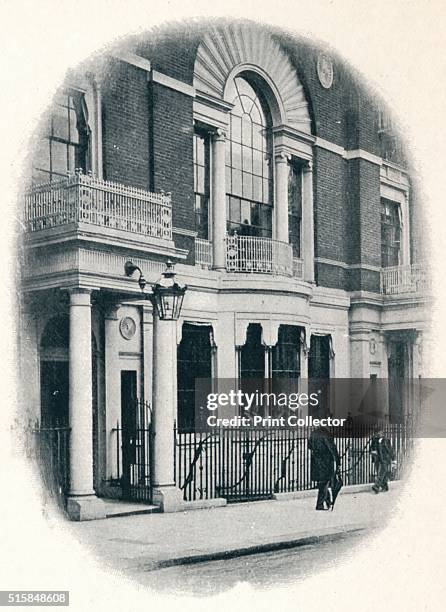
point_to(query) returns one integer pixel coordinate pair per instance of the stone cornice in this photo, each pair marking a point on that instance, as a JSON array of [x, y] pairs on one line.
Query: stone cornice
[[346, 266], [133, 60], [184, 232], [293, 133], [213, 102], [356, 154], [162, 79]]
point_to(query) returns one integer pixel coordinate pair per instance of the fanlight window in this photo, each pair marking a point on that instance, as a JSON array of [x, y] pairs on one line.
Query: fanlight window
[[249, 179]]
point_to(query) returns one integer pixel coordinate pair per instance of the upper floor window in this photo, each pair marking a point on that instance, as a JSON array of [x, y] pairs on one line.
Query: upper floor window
[[201, 183], [64, 144], [249, 179], [390, 233], [295, 208]]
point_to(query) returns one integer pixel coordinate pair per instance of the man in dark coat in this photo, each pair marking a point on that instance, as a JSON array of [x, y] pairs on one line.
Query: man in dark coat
[[383, 456], [325, 462]]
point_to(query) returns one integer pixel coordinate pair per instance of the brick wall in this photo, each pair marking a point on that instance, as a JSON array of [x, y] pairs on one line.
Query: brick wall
[[363, 236], [171, 167], [148, 142], [171, 51], [125, 122], [330, 205]]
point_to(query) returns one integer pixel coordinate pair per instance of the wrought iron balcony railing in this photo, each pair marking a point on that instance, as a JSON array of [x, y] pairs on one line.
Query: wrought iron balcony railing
[[404, 279], [203, 252], [81, 198], [261, 255]]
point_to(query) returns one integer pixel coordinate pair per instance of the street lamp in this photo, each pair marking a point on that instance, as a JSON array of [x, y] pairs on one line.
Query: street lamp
[[167, 296], [167, 299]]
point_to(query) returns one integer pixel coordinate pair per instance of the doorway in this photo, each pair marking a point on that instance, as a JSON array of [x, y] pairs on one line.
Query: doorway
[[54, 393]]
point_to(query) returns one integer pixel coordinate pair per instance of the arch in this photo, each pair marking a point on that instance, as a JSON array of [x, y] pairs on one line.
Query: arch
[[56, 333], [225, 51]]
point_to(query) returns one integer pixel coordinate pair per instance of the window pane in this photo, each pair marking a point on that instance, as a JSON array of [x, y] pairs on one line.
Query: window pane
[[60, 123], [42, 155], [390, 233], [246, 131], [266, 191], [294, 191], [58, 157], [234, 210], [237, 182], [228, 180], [255, 213], [236, 156], [256, 116], [257, 159], [237, 110], [257, 188], [70, 101], [228, 153], [247, 159], [200, 179], [247, 185], [258, 140], [199, 149], [72, 159], [74, 132], [236, 129], [40, 176], [245, 211], [266, 217]]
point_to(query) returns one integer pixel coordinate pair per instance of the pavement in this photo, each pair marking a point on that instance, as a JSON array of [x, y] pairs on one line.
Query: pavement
[[147, 542]]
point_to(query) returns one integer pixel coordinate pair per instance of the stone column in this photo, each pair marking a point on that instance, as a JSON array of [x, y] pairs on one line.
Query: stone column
[[303, 381], [307, 222], [82, 503], [112, 389], [147, 349], [218, 200], [281, 199], [164, 494]]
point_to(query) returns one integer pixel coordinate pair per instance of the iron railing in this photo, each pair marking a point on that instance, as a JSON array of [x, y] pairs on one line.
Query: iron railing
[[298, 267], [404, 279], [133, 446], [82, 198], [52, 452], [256, 254], [242, 464], [203, 252]]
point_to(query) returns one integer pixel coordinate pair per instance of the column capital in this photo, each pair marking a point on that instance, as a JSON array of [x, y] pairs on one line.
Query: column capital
[[220, 134], [111, 312], [80, 296], [308, 166], [282, 157]]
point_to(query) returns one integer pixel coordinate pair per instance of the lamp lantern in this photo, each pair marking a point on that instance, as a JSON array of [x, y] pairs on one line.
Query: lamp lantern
[[167, 296]]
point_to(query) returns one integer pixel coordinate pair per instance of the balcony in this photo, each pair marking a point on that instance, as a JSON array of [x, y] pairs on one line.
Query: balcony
[[404, 279], [83, 202], [251, 254], [258, 255]]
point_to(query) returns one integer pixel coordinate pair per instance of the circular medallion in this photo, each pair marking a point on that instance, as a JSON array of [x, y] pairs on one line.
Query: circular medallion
[[325, 70], [127, 327]]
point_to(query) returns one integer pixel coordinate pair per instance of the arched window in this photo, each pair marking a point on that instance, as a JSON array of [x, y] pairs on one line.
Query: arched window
[[249, 178]]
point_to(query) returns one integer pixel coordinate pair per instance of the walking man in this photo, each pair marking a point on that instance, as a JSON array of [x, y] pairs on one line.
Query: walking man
[[383, 456], [325, 462]]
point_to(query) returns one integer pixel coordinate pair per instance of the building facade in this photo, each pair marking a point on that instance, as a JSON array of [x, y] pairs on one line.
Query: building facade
[[274, 180]]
